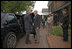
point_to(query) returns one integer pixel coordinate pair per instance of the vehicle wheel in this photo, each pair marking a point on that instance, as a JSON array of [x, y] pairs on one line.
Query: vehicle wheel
[[10, 40]]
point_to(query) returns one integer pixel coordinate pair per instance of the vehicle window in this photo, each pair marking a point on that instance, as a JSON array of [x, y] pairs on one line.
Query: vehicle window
[[10, 17]]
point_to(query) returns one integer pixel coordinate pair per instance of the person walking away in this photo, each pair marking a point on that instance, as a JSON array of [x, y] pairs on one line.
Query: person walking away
[[65, 24], [43, 21], [28, 25]]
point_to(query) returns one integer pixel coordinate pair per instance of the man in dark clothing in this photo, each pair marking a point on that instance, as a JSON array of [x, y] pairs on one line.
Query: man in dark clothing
[[55, 19], [33, 31], [28, 25], [65, 24], [37, 25], [43, 21]]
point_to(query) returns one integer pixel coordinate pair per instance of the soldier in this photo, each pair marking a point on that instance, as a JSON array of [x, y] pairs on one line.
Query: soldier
[[28, 25], [65, 24]]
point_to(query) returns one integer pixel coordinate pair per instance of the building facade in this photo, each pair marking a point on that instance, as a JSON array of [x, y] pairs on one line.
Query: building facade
[[45, 10], [44, 13], [57, 6]]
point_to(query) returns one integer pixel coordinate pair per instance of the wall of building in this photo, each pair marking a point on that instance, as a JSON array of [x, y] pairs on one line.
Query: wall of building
[[55, 5], [58, 4]]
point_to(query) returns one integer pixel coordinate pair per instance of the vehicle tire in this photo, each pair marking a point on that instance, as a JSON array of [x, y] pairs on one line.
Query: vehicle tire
[[10, 40]]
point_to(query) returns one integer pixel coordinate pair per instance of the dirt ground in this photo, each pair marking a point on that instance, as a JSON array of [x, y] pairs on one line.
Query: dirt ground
[[43, 41], [52, 41], [21, 43], [57, 42]]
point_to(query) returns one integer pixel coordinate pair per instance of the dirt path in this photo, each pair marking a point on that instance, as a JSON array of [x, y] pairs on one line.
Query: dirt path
[[50, 41], [57, 42], [21, 43], [43, 41]]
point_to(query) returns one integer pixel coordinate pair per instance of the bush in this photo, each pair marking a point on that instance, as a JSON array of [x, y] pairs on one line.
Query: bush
[[57, 30]]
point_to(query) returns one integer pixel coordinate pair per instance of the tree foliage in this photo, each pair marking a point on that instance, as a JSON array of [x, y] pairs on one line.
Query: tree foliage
[[16, 6]]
